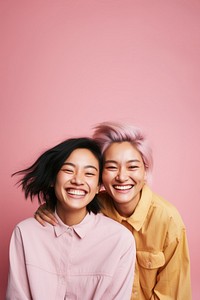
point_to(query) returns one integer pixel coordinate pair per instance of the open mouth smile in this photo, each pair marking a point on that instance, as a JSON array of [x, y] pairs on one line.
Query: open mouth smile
[[123, 187], [76, 192]]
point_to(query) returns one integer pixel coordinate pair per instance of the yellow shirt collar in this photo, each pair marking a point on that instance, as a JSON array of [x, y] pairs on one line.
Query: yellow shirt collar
[[138, 217]]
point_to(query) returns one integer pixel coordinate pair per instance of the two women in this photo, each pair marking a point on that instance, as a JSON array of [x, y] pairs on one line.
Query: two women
[[163, 263], [87, 255]]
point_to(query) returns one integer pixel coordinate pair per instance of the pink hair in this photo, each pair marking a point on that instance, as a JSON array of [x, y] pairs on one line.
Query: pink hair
[[107, 133]]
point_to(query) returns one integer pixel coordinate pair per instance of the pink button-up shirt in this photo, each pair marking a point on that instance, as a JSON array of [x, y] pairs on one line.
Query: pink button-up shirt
[[92, 260]]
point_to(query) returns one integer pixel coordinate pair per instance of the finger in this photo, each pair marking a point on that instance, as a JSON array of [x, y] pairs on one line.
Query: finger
[[47, 216], [39, 219]]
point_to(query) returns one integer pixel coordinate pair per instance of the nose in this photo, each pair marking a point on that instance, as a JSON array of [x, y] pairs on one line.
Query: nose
[[122, 175], [77, 179]]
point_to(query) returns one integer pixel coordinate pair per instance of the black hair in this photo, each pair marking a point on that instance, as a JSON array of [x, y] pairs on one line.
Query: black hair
[[39, 178]]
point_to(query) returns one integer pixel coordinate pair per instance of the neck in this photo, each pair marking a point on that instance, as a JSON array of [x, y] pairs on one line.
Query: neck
[[71, 218], [126, 209]]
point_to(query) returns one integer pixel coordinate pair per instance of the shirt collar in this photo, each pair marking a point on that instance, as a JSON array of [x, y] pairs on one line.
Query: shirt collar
[[136, 220], [81, 229], [139, 215]]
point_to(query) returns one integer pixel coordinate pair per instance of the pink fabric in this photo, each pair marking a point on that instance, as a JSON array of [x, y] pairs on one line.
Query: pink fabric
[[92, 260]]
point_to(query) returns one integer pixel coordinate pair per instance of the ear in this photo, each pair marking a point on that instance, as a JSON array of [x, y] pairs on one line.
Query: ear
[[102, 188], [98, 189]]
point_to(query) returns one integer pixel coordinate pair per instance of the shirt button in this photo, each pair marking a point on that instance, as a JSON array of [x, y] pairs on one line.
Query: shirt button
[[149, 264], [135, 293], [62, 280], [70, 232]]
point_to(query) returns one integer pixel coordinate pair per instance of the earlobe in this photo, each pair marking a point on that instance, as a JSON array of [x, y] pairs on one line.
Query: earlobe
[[98, 189]]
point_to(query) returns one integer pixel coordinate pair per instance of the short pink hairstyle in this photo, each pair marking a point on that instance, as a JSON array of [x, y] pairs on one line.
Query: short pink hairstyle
[[107, 133]]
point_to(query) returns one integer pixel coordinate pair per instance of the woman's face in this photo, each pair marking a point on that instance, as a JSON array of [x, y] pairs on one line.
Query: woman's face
[[77, 182], [123, 173]]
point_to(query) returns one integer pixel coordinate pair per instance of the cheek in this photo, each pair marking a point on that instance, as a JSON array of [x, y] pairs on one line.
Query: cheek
[[106, 178], [62, 178], [57, 192], [93, 184], [141, 176], [59, 185]]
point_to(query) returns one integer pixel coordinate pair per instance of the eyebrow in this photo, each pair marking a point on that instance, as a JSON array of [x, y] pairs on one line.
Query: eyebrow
[[115, 162], [85, 167]]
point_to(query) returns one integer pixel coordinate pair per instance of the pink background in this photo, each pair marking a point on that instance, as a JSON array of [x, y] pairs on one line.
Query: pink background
[[67, 65]]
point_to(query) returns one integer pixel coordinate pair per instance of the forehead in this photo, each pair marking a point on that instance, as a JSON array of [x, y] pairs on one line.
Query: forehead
[[123, 151], [84, 157]]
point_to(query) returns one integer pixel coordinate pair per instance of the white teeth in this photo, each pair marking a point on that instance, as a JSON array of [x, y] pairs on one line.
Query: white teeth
[[76, 192], [123, 187]]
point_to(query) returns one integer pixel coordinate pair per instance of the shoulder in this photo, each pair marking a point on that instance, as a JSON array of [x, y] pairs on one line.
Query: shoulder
[[31, 226], [106, 221], [163, 216], [113, 227], [23, 229], [160, 203], [26, 223], [166, 213]]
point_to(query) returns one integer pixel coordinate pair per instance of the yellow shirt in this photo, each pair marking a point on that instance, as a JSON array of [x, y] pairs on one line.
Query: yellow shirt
[[163, 264]]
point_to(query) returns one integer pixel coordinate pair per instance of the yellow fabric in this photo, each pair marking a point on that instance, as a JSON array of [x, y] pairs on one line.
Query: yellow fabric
[[163, 264]]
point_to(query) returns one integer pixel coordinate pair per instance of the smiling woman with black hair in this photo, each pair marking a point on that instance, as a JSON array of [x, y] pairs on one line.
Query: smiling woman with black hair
[[87, 255]]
